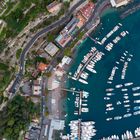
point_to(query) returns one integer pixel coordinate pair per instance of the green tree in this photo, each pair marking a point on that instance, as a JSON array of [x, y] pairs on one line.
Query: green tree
[[50, 37], [67, 51], [18, 53], [11, 122], [16, 117]]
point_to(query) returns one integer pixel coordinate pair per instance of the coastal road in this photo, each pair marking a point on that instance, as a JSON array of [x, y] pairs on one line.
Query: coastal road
[[49, 28]]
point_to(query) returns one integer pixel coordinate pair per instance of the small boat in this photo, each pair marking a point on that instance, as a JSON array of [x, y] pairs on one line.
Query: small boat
[[128, 109], [121, 60], [73, 78], [108, 119], [85, 109], [108, 105], [120, 24], [126, 101], [136, 101], [126, 97], [129, 59], [123, 33], [136, 108], [76, 104], [127, 32], [106, 98], [85, 94], [75, 113], [124, 89], [131, 55], [125, 94], [137, 112], [91, 70], [124, 54], [110, 94], [122, 57], [118, 103], [126, 51], [128, 84], [109, 108], [135, 88], [109, 89], [119, 86], [83, 81], [109, 82], [84, 104], [117, 117], [136, 94], [127, 115], [127, 105]]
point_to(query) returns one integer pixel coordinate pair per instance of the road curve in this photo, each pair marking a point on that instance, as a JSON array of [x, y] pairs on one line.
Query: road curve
[[33, 40]]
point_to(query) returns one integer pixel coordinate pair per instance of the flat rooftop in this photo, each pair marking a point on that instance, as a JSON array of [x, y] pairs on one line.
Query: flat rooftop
[[51, 49], [119, 1]]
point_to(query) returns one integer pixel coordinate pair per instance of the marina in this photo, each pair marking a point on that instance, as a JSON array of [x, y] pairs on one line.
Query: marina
[[107, 71], [81, 130]]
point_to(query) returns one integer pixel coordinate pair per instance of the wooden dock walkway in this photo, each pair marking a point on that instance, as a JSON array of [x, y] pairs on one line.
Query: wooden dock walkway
[[71, 90], [94, 40], [80, 99], [82, 69]]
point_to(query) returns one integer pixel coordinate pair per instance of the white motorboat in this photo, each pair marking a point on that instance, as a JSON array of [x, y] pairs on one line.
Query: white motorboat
[[128, 84], [108, 119], [127, 115], [109, 89], [85, 109], [83, 81], [119, 86]]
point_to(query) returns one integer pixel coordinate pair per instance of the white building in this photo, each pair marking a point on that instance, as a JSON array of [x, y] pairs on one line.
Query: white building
[[118, 3], [65, 61], [55, 125]]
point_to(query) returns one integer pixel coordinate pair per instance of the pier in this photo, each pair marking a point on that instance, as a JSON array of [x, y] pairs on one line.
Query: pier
[[80, 100], [80, 103], [94, 40], [86, 64], [71, 90], [79, 130]]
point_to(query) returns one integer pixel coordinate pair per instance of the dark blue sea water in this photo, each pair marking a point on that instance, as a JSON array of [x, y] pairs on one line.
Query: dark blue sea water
[[98, 82]]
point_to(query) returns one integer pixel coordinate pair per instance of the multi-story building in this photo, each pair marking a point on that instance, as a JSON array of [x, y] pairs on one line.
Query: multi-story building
[[66, 34], [75, 24]]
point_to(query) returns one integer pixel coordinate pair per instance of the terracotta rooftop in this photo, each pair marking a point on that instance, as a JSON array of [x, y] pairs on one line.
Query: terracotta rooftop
[[42, 66], [87, 9]]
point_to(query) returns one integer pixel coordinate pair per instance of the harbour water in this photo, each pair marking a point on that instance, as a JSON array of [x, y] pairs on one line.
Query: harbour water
[[98, 82]]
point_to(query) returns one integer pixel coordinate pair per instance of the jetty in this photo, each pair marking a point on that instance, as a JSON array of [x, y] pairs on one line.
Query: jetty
[[80, 100], [86, 64], [94, 40], [70, 90]]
